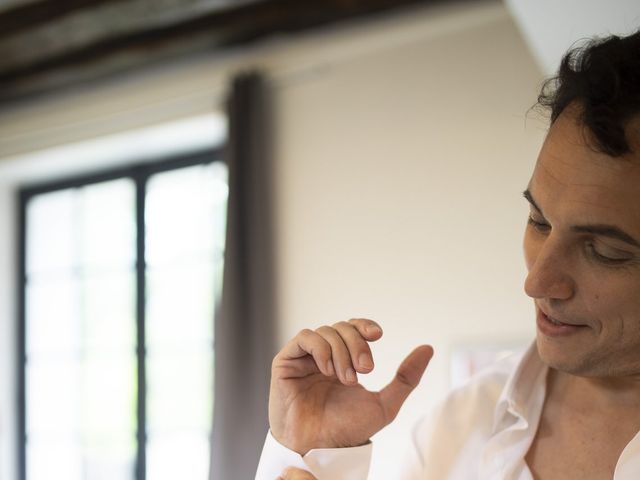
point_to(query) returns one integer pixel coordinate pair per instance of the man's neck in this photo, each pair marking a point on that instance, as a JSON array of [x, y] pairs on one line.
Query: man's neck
[[587, 420], [594, 394]]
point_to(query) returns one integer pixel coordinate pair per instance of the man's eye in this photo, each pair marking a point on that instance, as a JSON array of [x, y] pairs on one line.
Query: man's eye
[[606, 259], [540, 226]]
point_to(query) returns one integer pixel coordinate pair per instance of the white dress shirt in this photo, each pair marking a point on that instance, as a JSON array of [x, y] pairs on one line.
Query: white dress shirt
[[482, 431]]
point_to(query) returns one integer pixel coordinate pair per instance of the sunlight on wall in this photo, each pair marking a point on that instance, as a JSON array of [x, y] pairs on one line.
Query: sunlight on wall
[[150, 143]]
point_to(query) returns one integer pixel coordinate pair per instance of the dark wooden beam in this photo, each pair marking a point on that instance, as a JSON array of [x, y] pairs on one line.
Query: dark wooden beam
[[97, 22], [24, 16], [215, 29]]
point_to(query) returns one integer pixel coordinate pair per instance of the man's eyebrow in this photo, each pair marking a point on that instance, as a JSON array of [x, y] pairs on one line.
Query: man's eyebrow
[[527, 194], [604, 230], [607, 231]]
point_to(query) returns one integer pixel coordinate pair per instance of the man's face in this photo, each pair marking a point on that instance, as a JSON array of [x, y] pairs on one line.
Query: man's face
[[582, 250]]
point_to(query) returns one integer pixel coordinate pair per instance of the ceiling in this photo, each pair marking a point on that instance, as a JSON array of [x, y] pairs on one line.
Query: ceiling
[[47, 45], [550, 27]]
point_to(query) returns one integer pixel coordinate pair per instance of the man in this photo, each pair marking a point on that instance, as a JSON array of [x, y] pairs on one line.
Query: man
[[570, 407]]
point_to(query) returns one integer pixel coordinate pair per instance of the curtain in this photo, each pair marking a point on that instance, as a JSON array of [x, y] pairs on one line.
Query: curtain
[[244, 324]]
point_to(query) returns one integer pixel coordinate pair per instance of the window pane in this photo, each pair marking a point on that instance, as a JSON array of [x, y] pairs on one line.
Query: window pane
[[185, 213], [185, 220], [108, 401], [85, 413], [51, 239], [80, 333], [180, 305], [109, 311], [69, 460], [53, 315], [180, 391], [108, 226], [53, 399], [59, 455], [183, 455], [90, 404]]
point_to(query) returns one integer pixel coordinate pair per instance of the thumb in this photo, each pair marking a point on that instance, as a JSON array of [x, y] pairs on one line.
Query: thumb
[[407, 378]]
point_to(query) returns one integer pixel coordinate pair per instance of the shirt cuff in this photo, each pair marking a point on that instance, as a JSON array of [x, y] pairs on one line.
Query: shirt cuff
[[324, 463]]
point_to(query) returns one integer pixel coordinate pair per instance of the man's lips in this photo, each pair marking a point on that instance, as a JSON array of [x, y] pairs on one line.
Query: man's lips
[[552, 327], [558, 320]]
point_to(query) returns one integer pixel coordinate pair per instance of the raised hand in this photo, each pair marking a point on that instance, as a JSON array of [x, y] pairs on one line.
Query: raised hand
[[316, 400]]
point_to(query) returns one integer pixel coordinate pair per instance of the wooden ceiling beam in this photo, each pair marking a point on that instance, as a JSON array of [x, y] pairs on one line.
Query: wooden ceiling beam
[[29, 15], [213, 30]]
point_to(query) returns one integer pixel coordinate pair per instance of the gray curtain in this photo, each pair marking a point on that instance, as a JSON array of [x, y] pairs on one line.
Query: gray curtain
[[244, 324]]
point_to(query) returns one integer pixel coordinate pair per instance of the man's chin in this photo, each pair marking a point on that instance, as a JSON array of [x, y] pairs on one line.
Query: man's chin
[[564, 360]]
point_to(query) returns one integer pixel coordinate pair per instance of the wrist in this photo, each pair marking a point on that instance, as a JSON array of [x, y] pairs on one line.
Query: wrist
[[293, 444], [302, 447]]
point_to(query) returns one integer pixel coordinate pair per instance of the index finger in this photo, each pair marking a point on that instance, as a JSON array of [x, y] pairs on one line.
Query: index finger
[[370, 330]]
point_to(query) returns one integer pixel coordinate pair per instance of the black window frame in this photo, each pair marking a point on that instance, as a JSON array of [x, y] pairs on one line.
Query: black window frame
[[140, 174]]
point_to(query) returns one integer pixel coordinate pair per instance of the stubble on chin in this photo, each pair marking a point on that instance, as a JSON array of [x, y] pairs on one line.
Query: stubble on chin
[[561, 357]]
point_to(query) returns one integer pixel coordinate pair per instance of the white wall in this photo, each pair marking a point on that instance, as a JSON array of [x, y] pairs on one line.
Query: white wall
[[400, 173], [402, 149]]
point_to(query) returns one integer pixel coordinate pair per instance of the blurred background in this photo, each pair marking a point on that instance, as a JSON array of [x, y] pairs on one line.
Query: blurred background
[[185, 184]]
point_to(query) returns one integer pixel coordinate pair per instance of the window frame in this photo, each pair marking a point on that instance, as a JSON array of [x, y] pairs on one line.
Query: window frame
[[140, 174]]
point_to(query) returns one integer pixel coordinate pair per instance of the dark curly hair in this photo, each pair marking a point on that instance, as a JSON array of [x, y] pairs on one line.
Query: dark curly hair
[[603, 77]]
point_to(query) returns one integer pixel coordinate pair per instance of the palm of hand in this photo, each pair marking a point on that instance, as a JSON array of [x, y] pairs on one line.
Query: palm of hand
[[324, 413]]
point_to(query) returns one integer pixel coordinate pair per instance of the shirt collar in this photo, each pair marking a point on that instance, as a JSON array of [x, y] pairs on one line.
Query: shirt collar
[[524, 393]]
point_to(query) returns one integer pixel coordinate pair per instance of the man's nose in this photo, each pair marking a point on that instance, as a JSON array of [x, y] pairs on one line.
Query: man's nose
[[550, 272]]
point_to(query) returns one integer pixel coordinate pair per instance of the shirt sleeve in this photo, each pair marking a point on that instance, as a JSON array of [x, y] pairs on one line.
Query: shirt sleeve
[[324, 463]]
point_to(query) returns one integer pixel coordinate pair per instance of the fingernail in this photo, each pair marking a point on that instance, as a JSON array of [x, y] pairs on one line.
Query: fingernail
[[351, 375], [365, 361], [371, 329]]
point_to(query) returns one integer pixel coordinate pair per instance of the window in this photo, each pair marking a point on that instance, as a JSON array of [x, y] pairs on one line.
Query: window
[[120, 276]]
